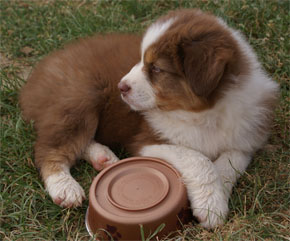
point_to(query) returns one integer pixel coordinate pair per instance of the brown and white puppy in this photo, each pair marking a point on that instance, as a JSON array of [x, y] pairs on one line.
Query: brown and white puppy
[[205, 106]]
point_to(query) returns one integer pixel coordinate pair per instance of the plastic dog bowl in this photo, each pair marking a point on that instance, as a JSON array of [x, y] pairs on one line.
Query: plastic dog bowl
[[135, 191]]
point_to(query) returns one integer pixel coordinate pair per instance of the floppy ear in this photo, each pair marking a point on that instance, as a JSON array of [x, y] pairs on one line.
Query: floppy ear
[[204, 65]]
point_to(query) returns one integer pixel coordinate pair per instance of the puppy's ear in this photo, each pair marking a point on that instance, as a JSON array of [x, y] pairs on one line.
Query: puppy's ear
[[204, 65]]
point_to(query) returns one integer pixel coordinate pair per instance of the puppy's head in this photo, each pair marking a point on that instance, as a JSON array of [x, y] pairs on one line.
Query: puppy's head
[[187, 58]]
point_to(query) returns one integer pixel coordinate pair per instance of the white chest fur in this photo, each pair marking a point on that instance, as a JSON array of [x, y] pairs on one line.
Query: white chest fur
[[192, 130]]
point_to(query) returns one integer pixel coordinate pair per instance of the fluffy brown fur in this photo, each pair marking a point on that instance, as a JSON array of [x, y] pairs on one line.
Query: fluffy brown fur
[[72, 92]]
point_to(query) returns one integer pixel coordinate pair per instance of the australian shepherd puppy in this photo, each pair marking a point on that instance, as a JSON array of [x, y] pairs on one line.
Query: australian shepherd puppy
[[191, 92]]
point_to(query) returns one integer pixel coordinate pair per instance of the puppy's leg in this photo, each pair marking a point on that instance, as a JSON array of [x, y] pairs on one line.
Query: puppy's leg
[[61, 186], [54, 161], [230, 165], [59, 144], [99, 156], [204, 185]]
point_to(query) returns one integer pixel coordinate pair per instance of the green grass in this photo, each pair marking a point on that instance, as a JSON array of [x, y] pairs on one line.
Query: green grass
[[31, 29]]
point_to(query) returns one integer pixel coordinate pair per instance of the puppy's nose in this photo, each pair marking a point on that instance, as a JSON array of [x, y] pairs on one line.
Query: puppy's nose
[[124, 88]]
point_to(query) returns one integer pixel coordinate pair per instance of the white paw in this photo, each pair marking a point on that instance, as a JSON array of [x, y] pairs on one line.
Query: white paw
[[64, 190], [209, 204], [100, 156]]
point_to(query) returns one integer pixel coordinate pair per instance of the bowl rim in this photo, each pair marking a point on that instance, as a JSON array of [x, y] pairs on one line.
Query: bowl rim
[[87, 224], [132, 221]]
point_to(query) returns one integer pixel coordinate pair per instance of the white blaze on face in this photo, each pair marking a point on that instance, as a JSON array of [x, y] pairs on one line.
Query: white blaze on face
[[141, 95], [154, 32]]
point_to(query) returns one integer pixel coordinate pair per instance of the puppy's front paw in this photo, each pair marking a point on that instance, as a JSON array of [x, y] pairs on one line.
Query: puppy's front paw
[[100, 156], [209, 204], [213, 214], [64, 190]]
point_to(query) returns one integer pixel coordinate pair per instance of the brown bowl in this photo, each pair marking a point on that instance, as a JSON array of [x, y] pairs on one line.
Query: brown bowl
[[135, 191]]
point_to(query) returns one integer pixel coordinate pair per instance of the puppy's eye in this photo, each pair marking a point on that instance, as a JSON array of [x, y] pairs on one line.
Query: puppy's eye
[[155, 69]]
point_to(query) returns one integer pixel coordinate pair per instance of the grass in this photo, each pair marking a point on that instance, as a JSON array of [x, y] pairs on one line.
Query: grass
[[31, 29]]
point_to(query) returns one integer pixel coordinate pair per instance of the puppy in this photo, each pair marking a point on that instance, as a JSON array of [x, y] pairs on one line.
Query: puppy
[[195, 95]]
